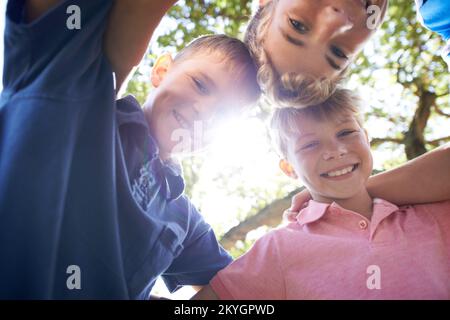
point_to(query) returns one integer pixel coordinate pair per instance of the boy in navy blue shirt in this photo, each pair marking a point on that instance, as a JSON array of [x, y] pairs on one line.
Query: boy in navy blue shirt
[[91, 204]]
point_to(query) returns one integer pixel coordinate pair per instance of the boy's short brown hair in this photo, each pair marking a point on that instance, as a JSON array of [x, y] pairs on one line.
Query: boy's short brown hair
[[290, 89], [284, 120], [231, 50]]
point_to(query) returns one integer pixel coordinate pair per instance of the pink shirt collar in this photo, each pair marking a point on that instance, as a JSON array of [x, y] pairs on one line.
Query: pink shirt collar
[[315, 210]]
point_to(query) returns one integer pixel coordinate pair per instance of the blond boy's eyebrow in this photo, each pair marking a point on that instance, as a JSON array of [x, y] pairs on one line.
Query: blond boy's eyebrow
[[345, 120], [300, 136], [300, 43]]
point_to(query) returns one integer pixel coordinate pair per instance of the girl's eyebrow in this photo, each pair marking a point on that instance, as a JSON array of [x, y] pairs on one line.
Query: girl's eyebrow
[[292, 40], [333, 64], [301, 43]]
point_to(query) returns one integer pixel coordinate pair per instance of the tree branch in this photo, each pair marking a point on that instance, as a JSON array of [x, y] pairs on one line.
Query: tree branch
[[377, 141], [440, 112], [271, 216], [437, 142], [443, 95]]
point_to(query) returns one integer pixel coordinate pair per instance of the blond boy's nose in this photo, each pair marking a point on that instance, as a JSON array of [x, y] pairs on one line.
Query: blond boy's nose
[[334, 153]]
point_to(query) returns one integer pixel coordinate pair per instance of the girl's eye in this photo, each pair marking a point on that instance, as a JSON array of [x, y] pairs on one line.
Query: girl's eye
[[298, 26], [338, 52], [200, 86], [345, 133]]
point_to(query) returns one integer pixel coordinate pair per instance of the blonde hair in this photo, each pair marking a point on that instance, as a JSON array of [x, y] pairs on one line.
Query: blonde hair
[[290, 89], [233, 51], [283, 124]]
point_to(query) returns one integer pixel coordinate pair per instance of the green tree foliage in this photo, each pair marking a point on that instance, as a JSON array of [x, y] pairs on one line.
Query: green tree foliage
[[408, 55], [194, 18]]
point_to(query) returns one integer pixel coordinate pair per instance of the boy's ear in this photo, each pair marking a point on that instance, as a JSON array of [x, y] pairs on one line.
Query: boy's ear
[[288, 170], [159, 70], [367, 136], [263, 2]]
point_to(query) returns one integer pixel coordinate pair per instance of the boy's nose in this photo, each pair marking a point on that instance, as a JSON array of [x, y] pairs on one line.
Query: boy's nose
[[332, 21], [334, 152], [203, 110]]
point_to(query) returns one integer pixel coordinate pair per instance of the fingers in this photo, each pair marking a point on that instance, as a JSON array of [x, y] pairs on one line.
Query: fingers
[[300, 200], [290, 216]]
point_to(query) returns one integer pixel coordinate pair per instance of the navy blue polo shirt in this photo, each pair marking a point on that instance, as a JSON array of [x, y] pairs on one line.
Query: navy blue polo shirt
[[81, 182]]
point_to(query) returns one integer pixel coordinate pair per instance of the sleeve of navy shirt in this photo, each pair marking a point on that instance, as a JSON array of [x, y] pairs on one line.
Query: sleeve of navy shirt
[[56, 125], [202, 256]]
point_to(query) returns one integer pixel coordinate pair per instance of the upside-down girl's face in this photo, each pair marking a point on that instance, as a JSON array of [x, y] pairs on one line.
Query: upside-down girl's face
[[320, 37]]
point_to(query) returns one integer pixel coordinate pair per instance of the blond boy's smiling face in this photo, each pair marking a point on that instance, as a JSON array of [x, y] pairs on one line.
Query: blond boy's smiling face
[[190, 98], [331, 157], [319, 37]]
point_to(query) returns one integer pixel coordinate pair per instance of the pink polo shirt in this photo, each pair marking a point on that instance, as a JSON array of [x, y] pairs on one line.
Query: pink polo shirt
[[334, 253]]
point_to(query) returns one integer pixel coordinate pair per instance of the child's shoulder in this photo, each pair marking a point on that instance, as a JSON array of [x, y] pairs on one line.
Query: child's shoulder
[[439, 209], [284, 236]]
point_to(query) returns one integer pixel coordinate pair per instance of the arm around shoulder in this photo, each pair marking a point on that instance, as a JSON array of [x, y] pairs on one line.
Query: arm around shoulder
[[421, 180]]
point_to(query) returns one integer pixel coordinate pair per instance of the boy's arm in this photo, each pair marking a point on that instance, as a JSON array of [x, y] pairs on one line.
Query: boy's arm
[[207, 293], [130, 27], [422, 180]]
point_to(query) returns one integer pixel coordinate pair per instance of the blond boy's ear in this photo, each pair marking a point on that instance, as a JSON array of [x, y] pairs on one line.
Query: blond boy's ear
[[263, 2], [288, 170], [367, 136], [160, 69]]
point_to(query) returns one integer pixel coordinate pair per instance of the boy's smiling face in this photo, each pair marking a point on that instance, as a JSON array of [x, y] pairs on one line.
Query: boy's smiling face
[[191, 97], [319, 37], [331, 157]]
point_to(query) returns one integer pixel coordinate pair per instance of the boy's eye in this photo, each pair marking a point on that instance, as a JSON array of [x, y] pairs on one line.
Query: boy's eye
[[309, 145], [200, 86], [298, 26], [338, 52], [346, 133]]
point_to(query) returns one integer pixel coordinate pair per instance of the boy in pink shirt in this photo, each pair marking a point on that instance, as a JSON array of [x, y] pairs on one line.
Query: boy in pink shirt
[[343, 244]]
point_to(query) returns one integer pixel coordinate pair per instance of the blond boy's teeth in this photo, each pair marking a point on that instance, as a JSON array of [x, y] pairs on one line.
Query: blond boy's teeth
[[338, 173]]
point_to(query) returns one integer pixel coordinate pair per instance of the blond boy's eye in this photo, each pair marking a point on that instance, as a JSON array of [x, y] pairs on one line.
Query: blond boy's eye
[[346, 133], [309, 145], [298, 26]]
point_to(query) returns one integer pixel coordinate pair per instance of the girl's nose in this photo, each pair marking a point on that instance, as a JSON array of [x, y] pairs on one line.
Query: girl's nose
[[332, 21]]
